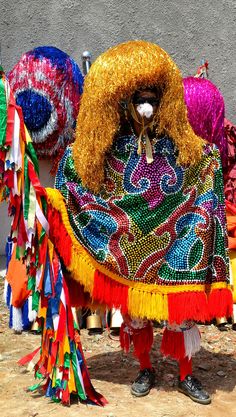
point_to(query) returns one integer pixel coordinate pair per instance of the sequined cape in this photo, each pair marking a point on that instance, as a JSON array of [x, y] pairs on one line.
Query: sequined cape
[[155, 223]]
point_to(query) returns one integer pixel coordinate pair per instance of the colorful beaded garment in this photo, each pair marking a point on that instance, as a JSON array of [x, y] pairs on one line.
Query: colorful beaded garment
[[153, 225]]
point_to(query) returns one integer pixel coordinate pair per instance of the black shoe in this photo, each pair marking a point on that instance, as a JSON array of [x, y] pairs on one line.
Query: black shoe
[[143, 383], [191, 387]]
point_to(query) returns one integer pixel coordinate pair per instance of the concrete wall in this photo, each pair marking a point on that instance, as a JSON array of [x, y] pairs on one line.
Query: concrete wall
[[187, 29]]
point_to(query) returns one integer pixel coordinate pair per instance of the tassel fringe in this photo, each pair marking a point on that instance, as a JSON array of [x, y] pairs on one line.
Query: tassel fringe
[[188, 306], [142, 339], [181, 344], [197, 301], [221, 303], [192, 341], [173, 344]]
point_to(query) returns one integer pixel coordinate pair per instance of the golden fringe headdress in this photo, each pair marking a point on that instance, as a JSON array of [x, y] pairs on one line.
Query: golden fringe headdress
[[114, 77]]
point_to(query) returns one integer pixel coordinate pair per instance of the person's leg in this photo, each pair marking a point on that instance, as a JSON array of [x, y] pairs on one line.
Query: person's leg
[[181, 342], [140, 333], [185, 368], [144, 360]]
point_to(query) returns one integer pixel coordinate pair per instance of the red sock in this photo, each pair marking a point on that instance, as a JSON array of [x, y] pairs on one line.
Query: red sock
[[144, 361], [185, 367]]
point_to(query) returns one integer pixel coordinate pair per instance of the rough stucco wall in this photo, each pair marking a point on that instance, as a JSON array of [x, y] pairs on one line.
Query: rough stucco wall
[[187, 29]]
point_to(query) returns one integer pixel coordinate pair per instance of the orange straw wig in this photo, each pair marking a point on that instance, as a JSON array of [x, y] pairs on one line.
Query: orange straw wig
[[114, 77]]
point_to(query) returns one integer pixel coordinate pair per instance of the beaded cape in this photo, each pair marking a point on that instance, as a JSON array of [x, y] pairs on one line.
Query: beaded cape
[[148, 239], [157, 223]]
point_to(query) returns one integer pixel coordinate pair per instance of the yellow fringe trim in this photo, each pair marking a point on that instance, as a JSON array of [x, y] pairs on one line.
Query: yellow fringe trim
[[144, 300], [232, 256], [146, 304]]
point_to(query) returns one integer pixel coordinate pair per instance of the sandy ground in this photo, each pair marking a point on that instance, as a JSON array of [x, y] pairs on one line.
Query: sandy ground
[[112, 373]]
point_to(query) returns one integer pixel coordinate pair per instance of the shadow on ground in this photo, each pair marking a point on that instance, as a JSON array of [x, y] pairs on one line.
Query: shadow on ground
[[216, 371]]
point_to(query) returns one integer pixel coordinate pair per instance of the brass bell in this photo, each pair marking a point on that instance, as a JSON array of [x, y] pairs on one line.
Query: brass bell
[[221, 320], [94, 323]]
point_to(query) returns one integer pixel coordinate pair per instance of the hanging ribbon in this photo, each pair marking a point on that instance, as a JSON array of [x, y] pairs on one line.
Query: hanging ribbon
[[3, 113]]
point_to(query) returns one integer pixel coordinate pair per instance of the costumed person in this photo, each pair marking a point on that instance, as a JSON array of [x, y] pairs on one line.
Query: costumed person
[[141, 198], [230, 195], [35, 266], [206, 114], [230, 181], [47, 84]]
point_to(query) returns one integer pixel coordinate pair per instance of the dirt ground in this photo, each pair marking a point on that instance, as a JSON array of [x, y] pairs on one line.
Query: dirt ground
[[112, 373]]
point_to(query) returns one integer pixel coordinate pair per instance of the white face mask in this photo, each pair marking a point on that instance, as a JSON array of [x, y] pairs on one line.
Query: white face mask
[[145, 110]]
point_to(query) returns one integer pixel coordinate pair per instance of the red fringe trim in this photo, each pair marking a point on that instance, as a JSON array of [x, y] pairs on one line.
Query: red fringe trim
[[142, 339], [109, 292], [188, 306], [221, 303], [59, 235], [173, 344], [78, 297], [181, 306]]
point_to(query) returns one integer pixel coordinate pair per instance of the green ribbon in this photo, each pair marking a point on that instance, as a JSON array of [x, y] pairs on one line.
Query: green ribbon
[[18, 253], [43, 233], [35, 300], [32, 154], [56, 400], [58, 383], [34, 387], [38, 375], [76, 327], [3, 113], [31, 283], [67, 360], [79, 387], [27, 188], [44, 204]]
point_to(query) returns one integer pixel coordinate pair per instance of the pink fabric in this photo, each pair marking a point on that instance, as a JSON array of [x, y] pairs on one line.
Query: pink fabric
[[206, 112]]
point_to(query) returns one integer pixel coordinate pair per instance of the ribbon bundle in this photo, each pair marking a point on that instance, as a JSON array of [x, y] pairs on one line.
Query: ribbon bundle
[[61, 365]]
